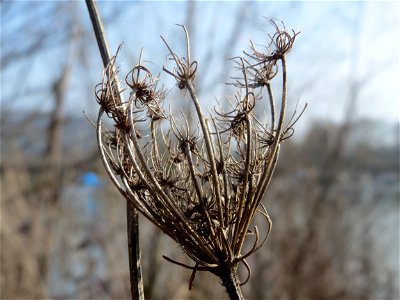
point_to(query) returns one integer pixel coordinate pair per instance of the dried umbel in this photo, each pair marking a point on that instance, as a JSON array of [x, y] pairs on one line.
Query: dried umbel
[[200, 186]]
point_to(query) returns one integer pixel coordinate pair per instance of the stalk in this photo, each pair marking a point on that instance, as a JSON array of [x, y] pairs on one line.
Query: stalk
[[135, 270], [228, 276]]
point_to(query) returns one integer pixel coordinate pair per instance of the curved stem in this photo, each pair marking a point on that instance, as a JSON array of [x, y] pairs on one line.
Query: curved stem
[[197, 188], [209, 146], [275, 146], [269, 169], [272, 106], [240, 232]]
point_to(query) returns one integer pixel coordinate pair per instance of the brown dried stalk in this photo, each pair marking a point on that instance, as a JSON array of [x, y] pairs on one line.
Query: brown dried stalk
[[135, 271], [201, 187]]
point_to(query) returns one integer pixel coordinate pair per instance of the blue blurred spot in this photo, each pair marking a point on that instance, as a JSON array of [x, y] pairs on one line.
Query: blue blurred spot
[[90, 179]]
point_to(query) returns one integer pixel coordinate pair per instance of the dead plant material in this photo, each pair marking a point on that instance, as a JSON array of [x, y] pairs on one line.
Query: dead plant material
[[201, 187]]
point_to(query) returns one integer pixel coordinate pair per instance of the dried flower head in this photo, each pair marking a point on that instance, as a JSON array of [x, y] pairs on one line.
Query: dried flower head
[[200, 186]]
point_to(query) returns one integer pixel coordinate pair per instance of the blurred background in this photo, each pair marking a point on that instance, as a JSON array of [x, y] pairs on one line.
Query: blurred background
[[334, 200]]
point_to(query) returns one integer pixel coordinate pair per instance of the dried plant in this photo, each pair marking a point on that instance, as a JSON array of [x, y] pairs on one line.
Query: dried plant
[[200, 186]]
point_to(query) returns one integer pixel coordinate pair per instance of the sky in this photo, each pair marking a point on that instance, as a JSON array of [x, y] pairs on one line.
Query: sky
[[341, 45]]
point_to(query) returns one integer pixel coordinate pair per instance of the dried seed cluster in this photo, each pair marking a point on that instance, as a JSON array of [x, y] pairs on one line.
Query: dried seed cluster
[[200, 186]]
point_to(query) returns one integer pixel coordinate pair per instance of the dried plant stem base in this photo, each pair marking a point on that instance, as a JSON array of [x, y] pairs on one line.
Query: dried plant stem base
[[229, 279]]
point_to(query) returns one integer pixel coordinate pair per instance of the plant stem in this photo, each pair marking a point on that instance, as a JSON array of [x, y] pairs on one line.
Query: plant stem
[[135, 270], [99, 32], [229, 279]]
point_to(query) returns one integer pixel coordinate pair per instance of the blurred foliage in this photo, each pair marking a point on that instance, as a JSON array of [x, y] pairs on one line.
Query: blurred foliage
[[324, 243]]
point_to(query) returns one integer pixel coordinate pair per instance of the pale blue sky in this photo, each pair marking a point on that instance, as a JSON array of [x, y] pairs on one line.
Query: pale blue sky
[[321, 66]]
